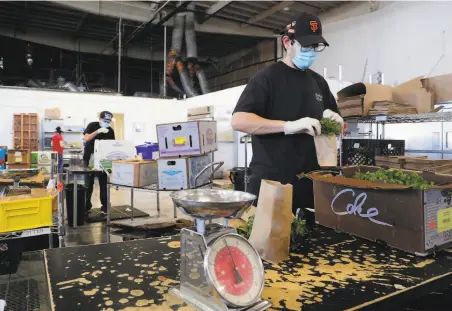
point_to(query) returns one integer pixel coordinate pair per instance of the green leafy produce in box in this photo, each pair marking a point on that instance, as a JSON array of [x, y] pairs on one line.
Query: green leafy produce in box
[[396, 177]]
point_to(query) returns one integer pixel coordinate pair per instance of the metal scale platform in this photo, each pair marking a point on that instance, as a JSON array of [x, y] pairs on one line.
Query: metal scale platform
[[220, 270]]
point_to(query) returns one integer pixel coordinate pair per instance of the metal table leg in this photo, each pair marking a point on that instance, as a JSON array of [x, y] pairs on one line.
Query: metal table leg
[[74, 207], [175, 210], [158, 201], [51, 238], [108, 208], [61, 232], [131, 201]]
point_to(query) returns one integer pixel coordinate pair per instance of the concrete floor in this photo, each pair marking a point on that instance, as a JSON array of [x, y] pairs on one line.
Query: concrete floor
[[145, 201]]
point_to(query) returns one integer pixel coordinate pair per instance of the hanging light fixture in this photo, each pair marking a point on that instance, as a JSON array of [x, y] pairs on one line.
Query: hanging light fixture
[[29, 56]]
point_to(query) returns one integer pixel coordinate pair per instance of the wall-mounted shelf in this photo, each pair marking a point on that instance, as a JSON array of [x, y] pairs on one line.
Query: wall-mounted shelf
[[404, 118]]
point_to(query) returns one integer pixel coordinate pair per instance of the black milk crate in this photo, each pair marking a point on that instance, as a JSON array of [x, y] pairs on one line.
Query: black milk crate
[[363, 151], [390, 147]]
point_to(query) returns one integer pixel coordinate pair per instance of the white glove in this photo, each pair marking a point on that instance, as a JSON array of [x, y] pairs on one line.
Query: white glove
[[333, 116], [103, 130], [305, 125]]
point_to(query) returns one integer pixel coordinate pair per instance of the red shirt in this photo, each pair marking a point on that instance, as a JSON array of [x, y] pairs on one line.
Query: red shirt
[[56, 143]]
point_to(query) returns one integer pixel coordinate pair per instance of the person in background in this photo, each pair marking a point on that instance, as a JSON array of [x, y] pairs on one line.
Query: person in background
[[100, 130], [58, 147], [281, 107]]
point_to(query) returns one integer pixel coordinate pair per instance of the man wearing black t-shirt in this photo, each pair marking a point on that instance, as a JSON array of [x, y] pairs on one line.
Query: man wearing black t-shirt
[[97, 131], [281, 107]]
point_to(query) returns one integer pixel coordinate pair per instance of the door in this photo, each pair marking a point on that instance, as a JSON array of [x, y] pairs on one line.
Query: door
[[117, 124]]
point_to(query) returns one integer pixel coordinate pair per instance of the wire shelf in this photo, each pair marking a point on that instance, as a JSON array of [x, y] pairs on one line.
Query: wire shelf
[[404, 118]]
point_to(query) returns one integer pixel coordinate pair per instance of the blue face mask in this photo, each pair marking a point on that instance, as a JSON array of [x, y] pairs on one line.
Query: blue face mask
[[304, 59], [104, 124]]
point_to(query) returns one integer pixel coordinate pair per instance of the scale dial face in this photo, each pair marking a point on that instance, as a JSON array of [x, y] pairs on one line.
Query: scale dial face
[[235, 270]]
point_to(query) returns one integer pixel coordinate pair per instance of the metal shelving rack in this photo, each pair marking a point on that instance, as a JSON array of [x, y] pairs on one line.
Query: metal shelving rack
[[56, 227], [404, 118], [397, 119]]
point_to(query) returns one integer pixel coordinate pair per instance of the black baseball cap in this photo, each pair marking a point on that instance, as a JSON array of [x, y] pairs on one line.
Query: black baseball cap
[[106, 115], [58, 129], [307, 30]]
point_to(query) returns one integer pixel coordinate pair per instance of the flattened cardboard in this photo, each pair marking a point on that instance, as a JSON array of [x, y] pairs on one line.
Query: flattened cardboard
[[371, 92], [401, 217]]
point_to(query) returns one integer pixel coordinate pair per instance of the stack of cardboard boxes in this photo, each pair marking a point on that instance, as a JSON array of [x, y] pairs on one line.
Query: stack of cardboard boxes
[[418, 95], [185, 149], [43, 161]]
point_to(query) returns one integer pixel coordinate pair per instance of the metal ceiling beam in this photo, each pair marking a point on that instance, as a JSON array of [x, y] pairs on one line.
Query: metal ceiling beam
[[214, 9], [80, 23], [161, 20], [267, 13]]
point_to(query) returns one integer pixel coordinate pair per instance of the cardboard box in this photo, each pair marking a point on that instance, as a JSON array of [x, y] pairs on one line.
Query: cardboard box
[[180, 173], [413, 93], [46, 168], [134, 173], [440, 86], [105, 151], [187, 138], [414, 221], [43, 157], [18, 157], [371, 92], [52, 113]]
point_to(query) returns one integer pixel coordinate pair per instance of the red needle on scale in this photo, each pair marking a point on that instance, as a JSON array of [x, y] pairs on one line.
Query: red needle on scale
[[238, 278]]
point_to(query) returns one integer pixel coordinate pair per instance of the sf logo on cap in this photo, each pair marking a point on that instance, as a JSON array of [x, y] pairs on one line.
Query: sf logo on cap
[[314, 26]]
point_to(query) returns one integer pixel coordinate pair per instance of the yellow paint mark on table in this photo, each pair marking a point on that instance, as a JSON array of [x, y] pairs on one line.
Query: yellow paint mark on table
[[424, 263], [90, 292], [137, 292], [79, 280], [174, 244]]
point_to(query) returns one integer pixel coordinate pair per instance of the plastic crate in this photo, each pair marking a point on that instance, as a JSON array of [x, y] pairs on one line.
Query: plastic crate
[[388, 147], [363, 151], [16, 215], [358, 152]]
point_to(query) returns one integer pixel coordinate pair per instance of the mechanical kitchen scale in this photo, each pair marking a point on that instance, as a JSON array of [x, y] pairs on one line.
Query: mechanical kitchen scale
[[220, 270]]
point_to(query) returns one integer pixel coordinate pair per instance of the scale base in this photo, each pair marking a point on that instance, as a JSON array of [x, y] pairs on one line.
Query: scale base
[[201, 305]]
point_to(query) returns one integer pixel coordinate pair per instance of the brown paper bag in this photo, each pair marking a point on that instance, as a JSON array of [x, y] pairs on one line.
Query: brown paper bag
[[270, 235], [326, 148]]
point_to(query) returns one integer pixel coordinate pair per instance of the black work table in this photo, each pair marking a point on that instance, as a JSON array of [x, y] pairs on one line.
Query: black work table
[[331, 272]]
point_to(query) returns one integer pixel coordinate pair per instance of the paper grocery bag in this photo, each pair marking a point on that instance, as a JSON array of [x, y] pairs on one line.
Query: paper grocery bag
[[270, 235], [326, 148]]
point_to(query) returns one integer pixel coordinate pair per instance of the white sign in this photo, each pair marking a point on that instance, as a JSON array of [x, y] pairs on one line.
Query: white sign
[[35, 232]]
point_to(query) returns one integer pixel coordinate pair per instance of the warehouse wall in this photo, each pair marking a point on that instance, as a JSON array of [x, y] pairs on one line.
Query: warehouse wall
[[235, 70], [403, 40], [143, 111]]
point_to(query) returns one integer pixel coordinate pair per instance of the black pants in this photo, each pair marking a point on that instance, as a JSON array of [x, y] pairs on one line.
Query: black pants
[[303, 195], [89, 182]]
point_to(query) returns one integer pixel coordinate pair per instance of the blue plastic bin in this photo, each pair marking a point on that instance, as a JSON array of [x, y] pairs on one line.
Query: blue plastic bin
[[3, 152], [147, 149]]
